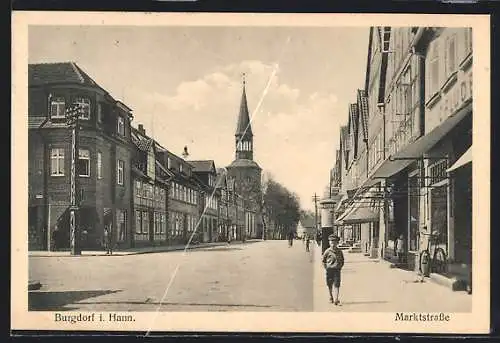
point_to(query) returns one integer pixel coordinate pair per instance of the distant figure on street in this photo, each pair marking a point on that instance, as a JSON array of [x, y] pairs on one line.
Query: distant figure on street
[[318, 238], [107, 241], [400, 248], [228, 238], [290, 238], [333, 261], [308, 241]]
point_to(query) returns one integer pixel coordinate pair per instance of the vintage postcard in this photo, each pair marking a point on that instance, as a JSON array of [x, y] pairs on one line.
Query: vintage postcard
[[250, 172]]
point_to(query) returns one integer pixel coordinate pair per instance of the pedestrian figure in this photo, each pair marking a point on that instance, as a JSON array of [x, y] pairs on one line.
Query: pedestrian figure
[[333, 261], [308, 241], [55, 238], [107, 241], [400, 248], [290, 239]]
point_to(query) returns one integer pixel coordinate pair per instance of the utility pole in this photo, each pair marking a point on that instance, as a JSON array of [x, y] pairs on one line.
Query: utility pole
[[73, 114], [315, 199]]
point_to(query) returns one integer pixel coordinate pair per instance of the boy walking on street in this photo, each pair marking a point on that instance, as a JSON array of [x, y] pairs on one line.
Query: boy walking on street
[[333, 261]]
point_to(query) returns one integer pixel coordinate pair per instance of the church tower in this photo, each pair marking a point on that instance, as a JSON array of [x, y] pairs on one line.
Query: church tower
[[246, 174], [244, 135]]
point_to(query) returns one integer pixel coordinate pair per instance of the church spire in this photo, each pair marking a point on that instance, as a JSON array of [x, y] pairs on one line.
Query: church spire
[[243, 127], [244, 135]]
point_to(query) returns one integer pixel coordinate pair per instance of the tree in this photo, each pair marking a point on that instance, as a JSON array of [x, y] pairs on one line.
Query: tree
[[282, 208]]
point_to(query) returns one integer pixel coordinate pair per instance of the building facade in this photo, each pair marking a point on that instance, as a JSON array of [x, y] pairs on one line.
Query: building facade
[[184, 199], [224, 218], [150, 191], [206, 172], [102, 161], [417, 176]]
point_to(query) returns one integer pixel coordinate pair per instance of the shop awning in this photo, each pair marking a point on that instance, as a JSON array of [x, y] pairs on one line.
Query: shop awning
[[462, 161], [361, 215], [359, 211], [342, 202], [418, 148]]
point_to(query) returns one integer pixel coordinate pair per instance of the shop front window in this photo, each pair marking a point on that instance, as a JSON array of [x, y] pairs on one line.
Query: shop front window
[[439, 213], [414, 206]]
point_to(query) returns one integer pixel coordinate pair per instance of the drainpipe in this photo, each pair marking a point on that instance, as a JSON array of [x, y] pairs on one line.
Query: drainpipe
[[46, 170]]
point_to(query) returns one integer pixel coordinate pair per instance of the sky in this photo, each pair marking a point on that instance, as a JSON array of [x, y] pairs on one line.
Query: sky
[[184, 85]]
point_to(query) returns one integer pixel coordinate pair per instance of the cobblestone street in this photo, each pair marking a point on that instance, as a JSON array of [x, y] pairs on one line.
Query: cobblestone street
[[259, 276]]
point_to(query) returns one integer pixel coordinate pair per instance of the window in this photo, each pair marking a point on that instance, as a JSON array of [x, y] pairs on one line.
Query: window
[[434, 70], [180, 167], [138, 221], [163, 223], [145, 222], [450, 55], [121, 126], [84, 162], [157, 220], [57, 107], [99, 112], [120, 172], [151, 165], [57, 162], [99, 165], [84, 103], [169, 163], [138, 188]]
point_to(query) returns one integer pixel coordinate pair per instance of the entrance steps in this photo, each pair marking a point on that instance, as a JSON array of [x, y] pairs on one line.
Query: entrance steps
[[356, 248]]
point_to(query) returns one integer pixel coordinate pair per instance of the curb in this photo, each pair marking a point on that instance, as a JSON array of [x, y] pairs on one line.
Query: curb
[[129, 253], [34, 285], [452, 283]]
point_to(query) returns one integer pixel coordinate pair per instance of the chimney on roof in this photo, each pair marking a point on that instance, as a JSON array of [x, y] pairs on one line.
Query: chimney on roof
[[140, 127], [185, 153]]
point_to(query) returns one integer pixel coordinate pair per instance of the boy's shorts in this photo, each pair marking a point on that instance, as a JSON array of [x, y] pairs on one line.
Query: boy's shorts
[[333, 277]]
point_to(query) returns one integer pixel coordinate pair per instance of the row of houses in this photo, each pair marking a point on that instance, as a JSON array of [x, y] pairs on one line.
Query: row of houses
[[404, 166], [126, 180]]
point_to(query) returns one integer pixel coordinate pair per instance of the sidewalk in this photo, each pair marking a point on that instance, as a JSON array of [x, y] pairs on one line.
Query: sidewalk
[[136, 251], [370, 285]]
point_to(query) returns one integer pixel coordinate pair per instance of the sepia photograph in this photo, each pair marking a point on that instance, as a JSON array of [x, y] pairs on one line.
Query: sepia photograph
[[252, 168]]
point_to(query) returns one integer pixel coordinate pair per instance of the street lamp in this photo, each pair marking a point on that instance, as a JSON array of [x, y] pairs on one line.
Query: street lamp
[[73, 114]]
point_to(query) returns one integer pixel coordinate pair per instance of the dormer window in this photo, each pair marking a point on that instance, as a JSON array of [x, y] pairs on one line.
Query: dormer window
[[57, 107], [121, 126], [180, 167], [169, 163], [84, 104]]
